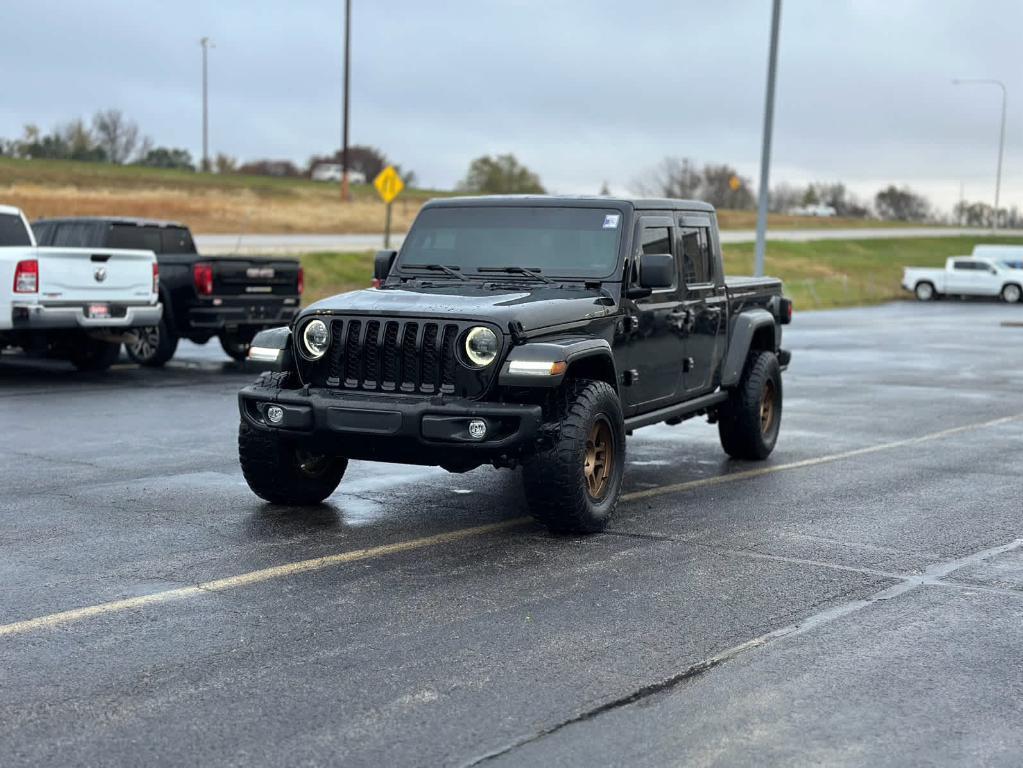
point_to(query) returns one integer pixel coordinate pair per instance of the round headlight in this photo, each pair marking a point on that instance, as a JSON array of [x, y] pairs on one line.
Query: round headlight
[[315, 339], [481, 346]]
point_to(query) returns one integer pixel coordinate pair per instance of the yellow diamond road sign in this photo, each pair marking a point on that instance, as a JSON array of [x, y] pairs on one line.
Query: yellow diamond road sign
[[388, 184]]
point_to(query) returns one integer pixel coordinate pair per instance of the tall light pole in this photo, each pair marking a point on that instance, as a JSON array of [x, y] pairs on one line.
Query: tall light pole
[[206, 44], [345, 193], [765, 151], [1001, 135]]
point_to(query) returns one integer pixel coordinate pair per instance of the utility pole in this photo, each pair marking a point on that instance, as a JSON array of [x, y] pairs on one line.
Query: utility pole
[[345, 193], [765, 151], [206, 44], [1001, 135]]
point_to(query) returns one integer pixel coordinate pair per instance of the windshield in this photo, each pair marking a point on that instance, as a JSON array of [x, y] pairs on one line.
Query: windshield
[[13, 231], [565, 242], [1012, 263]]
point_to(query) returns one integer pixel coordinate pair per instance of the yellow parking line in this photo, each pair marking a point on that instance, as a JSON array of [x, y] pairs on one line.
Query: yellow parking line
[[319, 563], [252, 577]]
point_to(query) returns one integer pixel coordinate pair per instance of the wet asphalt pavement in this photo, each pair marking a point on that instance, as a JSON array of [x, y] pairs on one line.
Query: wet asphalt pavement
[[855, 600]]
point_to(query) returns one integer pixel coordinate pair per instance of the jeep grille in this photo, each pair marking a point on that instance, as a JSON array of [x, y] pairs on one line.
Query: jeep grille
[[414, 356]]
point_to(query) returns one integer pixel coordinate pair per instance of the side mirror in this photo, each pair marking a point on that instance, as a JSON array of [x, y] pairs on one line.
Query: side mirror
[[657, 270], [382, 264]]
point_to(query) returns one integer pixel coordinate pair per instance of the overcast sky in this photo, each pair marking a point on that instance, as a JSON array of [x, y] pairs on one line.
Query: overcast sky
[[582, 92]]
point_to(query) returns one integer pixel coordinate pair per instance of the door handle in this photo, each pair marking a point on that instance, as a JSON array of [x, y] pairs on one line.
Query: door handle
[[682, 319]]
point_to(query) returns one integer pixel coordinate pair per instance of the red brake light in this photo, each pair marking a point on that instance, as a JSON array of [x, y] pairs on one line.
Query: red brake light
[[26, 276], [156, 277], [202, 276], [301, 280]]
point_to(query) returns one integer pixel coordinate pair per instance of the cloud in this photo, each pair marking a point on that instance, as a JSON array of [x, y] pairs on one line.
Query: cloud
[[582, 92]]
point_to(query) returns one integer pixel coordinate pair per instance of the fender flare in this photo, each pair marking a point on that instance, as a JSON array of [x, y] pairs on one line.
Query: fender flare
[[571, 351], [744, 328], [273, 346]]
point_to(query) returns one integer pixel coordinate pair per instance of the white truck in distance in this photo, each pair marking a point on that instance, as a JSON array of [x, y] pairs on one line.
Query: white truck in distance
[[78, 304], [966, 276]]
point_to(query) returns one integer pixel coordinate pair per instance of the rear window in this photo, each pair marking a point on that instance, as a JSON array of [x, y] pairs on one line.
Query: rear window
[[130, 237], [13, 231], [73, 234]]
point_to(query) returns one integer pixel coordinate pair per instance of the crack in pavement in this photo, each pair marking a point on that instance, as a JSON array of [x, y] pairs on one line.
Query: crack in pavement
[[932, 576]]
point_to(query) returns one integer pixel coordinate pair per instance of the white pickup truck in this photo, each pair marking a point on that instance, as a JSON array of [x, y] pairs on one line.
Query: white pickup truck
[[966, 276], [73, 303]]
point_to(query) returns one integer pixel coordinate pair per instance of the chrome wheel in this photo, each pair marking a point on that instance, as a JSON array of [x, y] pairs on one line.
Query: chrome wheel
[[599, 460], [925, 291], [144, 342], [1011, 294]]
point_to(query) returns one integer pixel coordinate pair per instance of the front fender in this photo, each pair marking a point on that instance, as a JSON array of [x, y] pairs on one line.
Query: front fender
[[571, 351], [272, 347], [744, 329]]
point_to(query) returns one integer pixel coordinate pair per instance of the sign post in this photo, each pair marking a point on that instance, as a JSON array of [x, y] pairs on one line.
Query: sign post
[[389, 185]]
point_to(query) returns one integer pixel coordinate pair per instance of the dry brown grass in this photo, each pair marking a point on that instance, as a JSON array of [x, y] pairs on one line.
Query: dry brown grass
[[213, 210]]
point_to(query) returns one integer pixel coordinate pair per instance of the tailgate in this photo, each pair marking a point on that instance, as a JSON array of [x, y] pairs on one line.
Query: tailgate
[[254, 277], [95, 274]]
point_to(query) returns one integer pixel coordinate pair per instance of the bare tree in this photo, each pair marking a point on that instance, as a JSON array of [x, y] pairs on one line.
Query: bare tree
[[116, 135]]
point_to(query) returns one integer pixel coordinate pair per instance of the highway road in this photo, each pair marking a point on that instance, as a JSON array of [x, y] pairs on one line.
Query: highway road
[[855, 600], [295, 243]]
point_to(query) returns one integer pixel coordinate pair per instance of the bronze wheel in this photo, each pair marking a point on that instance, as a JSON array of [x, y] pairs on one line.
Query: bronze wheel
[[767, 408], [599, 458]]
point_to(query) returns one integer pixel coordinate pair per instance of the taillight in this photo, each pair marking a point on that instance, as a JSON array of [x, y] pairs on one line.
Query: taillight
[[301, 280], [26, 276], [202, 276], [156, 277], [786, 311]]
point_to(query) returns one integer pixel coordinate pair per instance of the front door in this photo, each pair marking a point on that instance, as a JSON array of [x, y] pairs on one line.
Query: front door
[[704, 302], [649, 346]]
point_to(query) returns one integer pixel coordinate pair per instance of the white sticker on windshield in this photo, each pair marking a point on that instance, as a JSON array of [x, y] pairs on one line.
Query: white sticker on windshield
[[611, 220]]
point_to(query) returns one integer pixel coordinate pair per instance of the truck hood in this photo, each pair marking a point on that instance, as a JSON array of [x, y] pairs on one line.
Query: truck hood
[[534, 307]]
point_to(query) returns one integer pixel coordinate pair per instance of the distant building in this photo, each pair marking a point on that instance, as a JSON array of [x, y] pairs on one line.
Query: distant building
[[333, 171]]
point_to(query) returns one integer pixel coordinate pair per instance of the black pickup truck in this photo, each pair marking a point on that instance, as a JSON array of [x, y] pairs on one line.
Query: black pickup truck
[[230, 297], [521, 331]]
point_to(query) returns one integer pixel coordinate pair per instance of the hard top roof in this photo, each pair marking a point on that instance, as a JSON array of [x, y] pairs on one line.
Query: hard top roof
[[588, 201], [9, 210]]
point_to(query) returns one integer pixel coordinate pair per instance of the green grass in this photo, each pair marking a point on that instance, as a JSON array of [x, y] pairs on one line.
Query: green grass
[[327, 274], [843, 273], [818, 275]]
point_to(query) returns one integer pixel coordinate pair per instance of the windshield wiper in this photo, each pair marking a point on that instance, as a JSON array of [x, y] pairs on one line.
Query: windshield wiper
[[453, 271], [533, 272]]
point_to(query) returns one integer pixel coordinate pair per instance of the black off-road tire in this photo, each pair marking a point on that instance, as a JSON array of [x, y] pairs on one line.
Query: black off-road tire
[[273, 464], [744, 430], [94, 355], [278, 471], [235, 348], [556, 480], [155, 346]]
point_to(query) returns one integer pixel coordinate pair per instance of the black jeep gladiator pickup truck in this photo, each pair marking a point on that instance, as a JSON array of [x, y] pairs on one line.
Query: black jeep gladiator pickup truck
[[521, 331], [230, 297]]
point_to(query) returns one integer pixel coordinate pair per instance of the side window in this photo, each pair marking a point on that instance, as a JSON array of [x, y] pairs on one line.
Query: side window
[[656, 240], [695, 250], [177, 240], [43, 230]]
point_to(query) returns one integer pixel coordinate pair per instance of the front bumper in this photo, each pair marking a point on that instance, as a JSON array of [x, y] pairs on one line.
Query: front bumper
[[222, 312], [432, 431], [43, 317]]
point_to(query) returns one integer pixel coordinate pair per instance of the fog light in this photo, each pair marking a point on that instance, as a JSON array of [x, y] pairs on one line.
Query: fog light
[[477, 429], [275, 414]]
